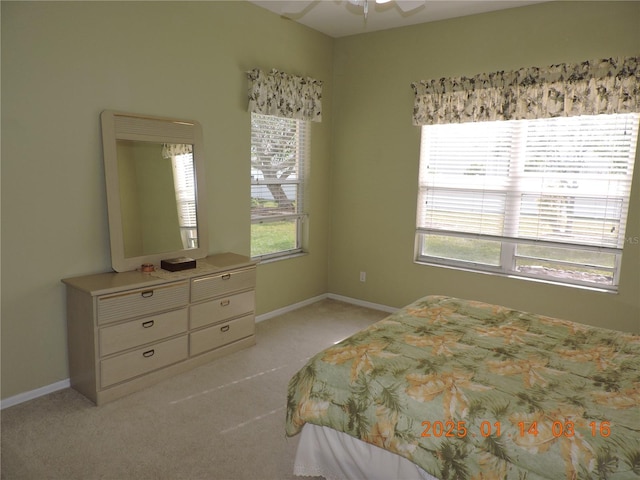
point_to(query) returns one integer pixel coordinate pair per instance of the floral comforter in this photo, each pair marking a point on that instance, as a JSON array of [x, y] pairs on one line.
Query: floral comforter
[[470, 390]]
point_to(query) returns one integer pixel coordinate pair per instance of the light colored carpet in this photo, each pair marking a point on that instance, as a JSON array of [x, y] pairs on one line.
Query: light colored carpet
[[224, 420]]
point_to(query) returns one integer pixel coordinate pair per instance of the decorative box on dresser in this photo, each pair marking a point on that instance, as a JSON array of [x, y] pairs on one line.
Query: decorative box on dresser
[[129, 330]]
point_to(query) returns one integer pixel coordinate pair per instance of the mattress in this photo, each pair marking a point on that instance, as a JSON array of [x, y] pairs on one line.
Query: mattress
[[334, 455], [465, 389]]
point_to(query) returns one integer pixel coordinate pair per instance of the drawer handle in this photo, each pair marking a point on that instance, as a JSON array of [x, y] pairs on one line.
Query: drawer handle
[[147, 324], [226, 276], [147, 293], [225, 303], [148, 353], [225, 328]]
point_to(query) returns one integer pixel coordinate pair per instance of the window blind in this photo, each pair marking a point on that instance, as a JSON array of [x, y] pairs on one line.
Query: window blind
[[184, 182], [554, 181], [278, 150]]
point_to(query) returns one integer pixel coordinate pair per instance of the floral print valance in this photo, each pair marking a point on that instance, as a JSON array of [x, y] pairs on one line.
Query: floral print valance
[[283, 95], [174, 149], [610, 85]]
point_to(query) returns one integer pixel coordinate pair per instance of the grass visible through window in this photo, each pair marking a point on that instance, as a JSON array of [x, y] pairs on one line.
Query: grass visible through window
[[575, 264], [464, 249], [272, 237]]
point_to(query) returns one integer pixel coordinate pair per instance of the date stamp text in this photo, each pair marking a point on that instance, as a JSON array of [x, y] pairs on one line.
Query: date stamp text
[[460, 429]]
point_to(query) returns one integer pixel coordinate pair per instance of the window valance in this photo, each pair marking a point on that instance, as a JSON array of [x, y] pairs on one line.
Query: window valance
[[174, 149], [283, 95], [610, 85]]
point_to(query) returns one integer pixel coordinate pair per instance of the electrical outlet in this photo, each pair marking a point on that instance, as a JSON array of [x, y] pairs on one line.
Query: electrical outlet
[[363, 276]]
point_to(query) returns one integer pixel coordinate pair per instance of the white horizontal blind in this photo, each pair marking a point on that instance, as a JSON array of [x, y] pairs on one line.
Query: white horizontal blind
[[184, 181], [185, 187], [550, 181], [464, 175], [278, 149]]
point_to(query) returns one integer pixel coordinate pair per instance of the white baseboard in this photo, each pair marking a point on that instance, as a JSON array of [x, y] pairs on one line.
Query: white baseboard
[[54, 387], [332, 296], [38, 392], [362, 303], [290, 308]]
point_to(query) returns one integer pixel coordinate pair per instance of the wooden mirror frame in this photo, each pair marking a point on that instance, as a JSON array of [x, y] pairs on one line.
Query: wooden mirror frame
[[146, 128]]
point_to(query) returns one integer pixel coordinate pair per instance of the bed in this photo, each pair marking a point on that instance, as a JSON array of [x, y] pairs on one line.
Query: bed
[[448, 388]]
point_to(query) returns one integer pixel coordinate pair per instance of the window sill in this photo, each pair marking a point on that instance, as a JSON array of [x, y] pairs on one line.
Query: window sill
[[549, 281], [271, 259]]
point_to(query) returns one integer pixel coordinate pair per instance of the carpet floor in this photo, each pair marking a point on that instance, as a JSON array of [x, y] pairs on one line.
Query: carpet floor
[[223, 420]]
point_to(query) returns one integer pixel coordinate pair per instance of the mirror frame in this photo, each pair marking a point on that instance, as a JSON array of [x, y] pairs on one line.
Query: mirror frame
[[148, 128]]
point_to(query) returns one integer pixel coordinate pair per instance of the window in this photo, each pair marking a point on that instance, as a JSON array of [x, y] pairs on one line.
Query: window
[[279, 148], [544, 199], [184, 184]]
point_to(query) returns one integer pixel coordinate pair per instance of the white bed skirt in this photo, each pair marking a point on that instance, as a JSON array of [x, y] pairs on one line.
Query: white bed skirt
[[325, 452]]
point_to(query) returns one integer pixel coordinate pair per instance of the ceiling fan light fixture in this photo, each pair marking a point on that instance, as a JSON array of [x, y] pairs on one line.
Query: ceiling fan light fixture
[[404, 5]]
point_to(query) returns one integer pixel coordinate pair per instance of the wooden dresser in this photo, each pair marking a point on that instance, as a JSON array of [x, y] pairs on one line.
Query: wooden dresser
[[129, 330]]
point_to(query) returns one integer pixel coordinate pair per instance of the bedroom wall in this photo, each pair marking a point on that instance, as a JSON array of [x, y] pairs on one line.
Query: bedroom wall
[[65, 62], [62, 64], [376, 152]]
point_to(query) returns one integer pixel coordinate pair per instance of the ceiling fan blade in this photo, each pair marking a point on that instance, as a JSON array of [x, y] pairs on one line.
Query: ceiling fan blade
[[296, 6], [408, 5]]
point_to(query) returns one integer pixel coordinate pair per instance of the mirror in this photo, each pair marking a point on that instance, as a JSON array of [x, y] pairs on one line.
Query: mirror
[[154, 170]]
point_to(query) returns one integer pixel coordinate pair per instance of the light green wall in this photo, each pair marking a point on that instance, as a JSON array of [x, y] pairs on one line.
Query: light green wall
[[376, 152], [63, 63]]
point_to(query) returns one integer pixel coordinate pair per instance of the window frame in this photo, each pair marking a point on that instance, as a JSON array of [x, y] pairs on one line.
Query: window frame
[[508, 247], [300, 216], [510, 271]]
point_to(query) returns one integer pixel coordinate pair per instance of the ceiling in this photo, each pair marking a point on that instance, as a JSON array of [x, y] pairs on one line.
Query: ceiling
[[339, 18]]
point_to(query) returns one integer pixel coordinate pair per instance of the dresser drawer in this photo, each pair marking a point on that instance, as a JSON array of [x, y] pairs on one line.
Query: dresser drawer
[[128, 365], [143, 301], [221, 309], [221, 334], [133, 333], [215, 285]]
